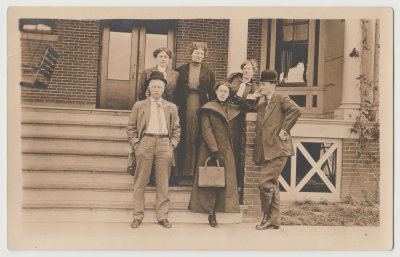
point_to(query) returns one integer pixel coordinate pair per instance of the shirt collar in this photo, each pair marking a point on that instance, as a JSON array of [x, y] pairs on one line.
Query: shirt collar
[[161, 68], [154, 101]]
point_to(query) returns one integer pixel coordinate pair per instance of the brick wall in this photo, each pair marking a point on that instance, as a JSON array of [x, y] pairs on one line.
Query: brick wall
[[254, 43], [251, 195], [360, 175], [74, 80], [215, 33]]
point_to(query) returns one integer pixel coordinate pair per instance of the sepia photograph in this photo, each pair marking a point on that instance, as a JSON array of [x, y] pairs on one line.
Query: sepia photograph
[[200, 128]]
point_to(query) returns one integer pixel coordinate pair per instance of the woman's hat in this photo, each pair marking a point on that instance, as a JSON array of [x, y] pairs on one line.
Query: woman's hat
[[155, 75], [269, 76]]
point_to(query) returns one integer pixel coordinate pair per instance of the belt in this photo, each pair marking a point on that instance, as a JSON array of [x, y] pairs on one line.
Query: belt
[[155, 135]]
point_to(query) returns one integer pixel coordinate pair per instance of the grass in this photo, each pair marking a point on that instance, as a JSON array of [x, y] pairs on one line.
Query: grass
[[322, 213]]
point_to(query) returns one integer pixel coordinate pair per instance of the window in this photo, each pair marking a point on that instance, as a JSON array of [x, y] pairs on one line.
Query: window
[[36, 25], [291, 57]]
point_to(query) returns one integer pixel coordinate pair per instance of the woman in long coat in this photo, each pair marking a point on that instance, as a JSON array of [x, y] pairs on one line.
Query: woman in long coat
[[195, 87], [218, 120]]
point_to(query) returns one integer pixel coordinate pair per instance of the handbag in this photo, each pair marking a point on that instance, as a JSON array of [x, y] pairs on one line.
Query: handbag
[[131, 163], [210, 176]]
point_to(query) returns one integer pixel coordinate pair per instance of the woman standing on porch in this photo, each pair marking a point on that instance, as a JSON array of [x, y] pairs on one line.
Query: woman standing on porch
[[163, 56], [243, 85], [218, 120], [195, 87]]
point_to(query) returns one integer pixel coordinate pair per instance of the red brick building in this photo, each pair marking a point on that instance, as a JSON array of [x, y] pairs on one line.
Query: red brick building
[[93, 85]]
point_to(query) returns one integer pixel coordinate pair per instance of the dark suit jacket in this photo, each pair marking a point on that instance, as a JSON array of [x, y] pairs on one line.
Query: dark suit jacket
[[281, 113], [140, 117], [172, 78]]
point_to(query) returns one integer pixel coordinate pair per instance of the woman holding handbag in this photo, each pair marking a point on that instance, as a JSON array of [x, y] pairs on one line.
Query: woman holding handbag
[[218, 118]]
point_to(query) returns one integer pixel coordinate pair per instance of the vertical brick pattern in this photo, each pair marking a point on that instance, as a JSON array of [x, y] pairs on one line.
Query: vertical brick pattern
[[251, 195], [74, 80], [360, 175], [215, 33], [254, 42]]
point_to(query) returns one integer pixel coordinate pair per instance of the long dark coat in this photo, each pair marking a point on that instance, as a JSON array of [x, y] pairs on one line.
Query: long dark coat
[[206, 93], [217, 135]]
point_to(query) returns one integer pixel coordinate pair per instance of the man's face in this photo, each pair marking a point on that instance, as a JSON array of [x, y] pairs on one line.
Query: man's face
[[156, 88], [267, 88]]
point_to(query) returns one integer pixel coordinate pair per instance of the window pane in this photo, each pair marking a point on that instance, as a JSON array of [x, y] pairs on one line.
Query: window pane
[[300, 100], [119, 55], [301, 32], [287, 33], [153, 41]]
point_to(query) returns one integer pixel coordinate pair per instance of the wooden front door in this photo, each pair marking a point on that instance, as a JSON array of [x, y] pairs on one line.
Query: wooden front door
[[127, 48]]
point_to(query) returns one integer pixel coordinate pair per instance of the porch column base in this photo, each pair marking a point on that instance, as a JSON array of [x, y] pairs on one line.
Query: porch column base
[[347, 112]]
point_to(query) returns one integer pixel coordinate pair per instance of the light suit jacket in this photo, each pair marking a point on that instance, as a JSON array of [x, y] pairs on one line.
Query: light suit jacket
[[140, 117]]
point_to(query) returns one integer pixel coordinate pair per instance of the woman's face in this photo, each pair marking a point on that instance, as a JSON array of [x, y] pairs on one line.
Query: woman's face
[[162, 59], [198, 55], [248, 71], [222, 93]]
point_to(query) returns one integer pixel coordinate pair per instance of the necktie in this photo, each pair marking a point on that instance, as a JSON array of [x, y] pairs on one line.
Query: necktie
[[160, 128], [241, 89]]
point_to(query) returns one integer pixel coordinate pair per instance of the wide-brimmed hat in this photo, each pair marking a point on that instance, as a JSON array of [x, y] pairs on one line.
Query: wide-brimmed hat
[[269, 76], [155, 75]]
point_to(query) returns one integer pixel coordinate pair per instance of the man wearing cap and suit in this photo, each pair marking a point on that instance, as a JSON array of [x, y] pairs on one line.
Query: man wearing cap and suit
[[154, 132], [276, 115]]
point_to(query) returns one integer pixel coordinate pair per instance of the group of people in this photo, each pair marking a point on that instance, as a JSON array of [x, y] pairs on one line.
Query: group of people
[[185, 116]]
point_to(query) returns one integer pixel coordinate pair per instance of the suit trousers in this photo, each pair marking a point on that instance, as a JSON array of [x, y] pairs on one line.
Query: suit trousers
[[269, 187], [160, 151]]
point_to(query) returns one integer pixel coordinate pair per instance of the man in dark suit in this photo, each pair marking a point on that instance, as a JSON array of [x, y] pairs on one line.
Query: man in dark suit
[[276, 115], [153, 132]]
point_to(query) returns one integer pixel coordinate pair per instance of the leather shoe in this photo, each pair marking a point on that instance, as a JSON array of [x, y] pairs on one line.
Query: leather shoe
[[212, 220], [266, 224], [136, 223], [165, 223]]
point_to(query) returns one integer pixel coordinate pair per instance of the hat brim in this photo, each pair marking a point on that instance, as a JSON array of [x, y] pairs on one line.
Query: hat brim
[[150, 79]]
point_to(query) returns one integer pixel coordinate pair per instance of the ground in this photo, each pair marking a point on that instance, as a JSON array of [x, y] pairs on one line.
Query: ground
[[345, 213]]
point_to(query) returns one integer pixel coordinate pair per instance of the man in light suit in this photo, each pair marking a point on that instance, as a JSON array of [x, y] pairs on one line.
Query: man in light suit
[[276, 115], [153, 132]]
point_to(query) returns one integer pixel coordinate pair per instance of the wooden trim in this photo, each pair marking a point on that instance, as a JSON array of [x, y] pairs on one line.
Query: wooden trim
[[311, 52], [104, 62], [264, 45], [39, 36], [273, 44]]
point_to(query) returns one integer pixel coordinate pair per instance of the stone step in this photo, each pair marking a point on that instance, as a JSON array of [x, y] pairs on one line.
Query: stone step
[[58, 197], [74, 116], [77, 180], [74, 146], [122, 215], [81, 131], [47, 161]]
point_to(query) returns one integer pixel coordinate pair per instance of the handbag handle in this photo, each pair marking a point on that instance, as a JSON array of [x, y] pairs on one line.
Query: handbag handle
[[209, 158]]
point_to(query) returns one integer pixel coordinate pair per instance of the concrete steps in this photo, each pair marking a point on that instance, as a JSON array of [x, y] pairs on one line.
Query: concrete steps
[[74, 170]]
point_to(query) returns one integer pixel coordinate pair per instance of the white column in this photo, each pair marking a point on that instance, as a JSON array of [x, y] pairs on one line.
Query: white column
[[368, 60], [237, 48], [348, 110]]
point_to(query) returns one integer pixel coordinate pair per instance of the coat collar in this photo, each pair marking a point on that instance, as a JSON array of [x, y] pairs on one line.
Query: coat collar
[[203, 69], [270, 107], [230, 114]]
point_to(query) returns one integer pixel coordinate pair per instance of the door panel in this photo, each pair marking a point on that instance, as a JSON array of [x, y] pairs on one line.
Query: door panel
[[128, 48], [119, 66]]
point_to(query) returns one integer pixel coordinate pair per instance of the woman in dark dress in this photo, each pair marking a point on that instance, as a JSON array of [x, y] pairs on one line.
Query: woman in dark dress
[[243, 85], [218, 120], [195, 87]]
